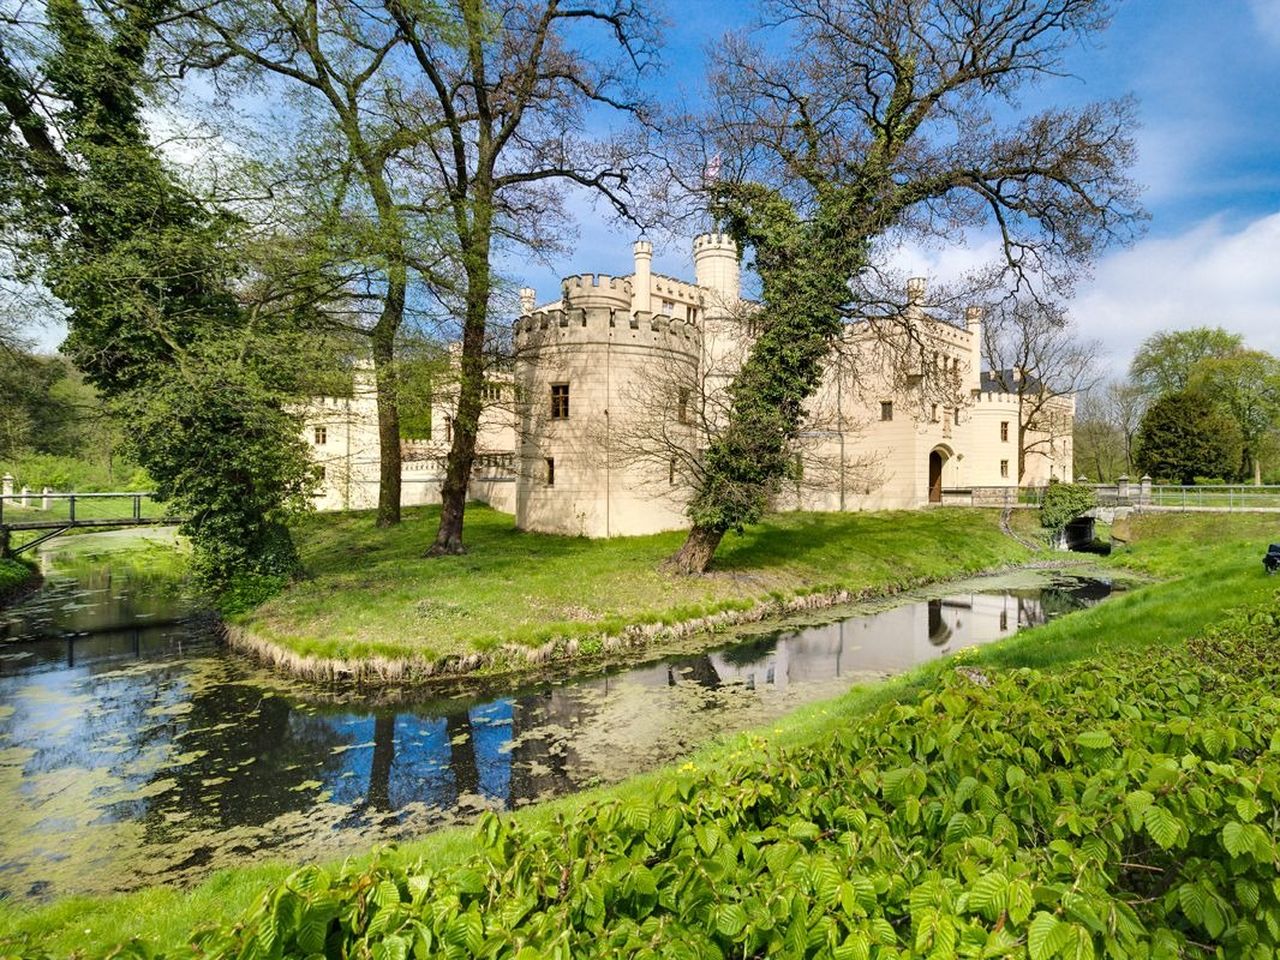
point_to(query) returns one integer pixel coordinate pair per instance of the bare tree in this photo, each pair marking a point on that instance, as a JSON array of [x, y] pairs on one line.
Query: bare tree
[[1108, 415], [512, 86], [878, 122], [1035, 354]]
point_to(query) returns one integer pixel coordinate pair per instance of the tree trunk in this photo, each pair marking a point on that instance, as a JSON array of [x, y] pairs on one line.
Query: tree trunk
[[383, 338], [378, 795], [694, 555], [466, 424], [1257, 471]]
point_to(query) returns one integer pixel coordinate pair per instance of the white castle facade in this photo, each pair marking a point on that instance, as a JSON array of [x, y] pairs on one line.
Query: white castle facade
[[616, 388]]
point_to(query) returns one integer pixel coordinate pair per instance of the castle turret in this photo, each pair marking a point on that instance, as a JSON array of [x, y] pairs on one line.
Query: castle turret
[[528, 300], [973, 323], [642, 285], [715, 266]]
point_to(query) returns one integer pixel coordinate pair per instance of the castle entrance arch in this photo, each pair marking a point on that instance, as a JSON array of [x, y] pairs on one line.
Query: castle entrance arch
[[937, 458]]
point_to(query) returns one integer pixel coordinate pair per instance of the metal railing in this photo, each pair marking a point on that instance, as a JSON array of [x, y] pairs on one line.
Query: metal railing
[[1222, 498], [31, 511]]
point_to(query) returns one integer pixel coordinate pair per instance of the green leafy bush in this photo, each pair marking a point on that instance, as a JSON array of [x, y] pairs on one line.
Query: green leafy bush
[[1127, 808], [14, 574], [1063, 502]]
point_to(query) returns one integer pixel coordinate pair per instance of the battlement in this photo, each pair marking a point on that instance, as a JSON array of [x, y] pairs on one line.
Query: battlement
[[718, 242], [600, 325], [996, 398], [677, 289], [596, 289]]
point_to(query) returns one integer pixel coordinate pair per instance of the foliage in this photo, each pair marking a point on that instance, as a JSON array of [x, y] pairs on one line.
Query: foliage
[[1247, 385], [79, 474], [14, 573], [1187, 435], [1164, 361], [193, 341], [1126, 808], [1063, 502]]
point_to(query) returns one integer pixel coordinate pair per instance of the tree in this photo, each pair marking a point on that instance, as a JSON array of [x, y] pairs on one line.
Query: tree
[[1185, 435], [1247, 384], [364, 216], [512, 86], [1106, 425], [1164, 361], [171, 315], [877, 123], [1035, 354]]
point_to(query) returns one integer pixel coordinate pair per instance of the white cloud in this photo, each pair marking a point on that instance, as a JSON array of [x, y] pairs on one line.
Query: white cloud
[[1209, 275]]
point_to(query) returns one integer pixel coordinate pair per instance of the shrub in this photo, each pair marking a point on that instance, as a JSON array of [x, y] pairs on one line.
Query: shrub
[[1126, 808], [1063, 502]]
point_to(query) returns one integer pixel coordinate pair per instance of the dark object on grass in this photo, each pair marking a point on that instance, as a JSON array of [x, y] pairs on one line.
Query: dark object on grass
[[1272, 560]]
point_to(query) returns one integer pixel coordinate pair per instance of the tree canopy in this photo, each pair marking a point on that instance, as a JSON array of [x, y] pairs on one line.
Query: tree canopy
[[1187, 435]]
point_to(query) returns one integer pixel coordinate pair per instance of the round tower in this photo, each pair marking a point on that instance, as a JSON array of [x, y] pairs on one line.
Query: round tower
[[715, 266], [588, 375]]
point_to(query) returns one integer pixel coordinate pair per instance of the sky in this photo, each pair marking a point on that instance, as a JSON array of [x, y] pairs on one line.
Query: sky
[[1206, 75]]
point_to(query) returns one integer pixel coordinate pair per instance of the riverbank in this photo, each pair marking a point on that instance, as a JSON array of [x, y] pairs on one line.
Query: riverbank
[[17, 579], [373, 609], [1209, 566]]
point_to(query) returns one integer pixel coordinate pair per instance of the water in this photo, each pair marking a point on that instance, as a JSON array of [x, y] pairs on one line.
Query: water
[[134, 749]]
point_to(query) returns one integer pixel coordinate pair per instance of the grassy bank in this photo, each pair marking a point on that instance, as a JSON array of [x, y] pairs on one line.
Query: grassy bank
[[1211, 565], [372, 604], [16, 577]]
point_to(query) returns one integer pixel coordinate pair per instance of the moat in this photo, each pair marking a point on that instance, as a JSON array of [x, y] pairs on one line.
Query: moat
[[135, 749]]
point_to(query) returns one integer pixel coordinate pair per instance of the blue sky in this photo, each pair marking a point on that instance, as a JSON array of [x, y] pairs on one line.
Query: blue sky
[[1206, 74]]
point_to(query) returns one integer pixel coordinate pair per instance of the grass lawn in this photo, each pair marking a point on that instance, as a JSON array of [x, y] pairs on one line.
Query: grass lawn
[[1209, 565], [371, 593]]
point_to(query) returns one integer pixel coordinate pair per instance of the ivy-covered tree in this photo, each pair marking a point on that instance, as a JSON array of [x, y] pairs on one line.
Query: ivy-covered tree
[[881, 119], [1186, 435], [165, 317]]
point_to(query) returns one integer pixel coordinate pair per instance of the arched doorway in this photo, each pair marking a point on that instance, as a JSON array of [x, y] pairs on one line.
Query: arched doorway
[[936, 460]]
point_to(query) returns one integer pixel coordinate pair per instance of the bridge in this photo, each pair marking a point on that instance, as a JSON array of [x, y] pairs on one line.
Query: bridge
[[46, 515]]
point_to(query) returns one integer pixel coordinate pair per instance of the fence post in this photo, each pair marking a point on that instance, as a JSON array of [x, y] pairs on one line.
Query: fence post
[[1144, 489], [6, 485], [137, 506], [1122, 490], [73, 508], [44, 497], [26, 496]]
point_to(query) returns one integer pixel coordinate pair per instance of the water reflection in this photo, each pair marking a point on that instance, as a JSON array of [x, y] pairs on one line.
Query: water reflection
[[133, 749]]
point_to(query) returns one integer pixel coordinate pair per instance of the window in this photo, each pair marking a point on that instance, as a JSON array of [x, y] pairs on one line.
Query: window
[[551, 471], [322, 436], [671, 473], [1004, 430], [955, 416], [491, 392], [320, 472], [693, 314], [1004, 469], [934, 415], [559, 401], [683, 405], [668, 307], [886, 410]]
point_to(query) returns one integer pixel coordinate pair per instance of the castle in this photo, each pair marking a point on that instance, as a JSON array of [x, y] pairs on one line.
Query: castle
[[597, 426]]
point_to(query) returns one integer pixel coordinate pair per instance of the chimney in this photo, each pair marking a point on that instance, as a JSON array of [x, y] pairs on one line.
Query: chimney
[[642, 285], [528, 300]]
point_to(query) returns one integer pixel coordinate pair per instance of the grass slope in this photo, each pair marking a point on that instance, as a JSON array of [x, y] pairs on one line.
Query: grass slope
[[1212, 565], [15, 576], [371, 593]]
